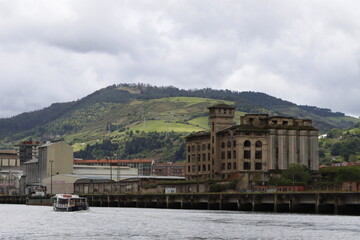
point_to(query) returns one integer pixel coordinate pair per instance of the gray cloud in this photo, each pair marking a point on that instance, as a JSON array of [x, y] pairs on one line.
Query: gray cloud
[[305, 51]]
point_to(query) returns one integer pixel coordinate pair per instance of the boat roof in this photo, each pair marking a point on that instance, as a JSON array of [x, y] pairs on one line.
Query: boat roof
[[67, 196]]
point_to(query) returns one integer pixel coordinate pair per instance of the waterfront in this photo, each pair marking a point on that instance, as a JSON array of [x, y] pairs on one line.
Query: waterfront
[[41, 222]]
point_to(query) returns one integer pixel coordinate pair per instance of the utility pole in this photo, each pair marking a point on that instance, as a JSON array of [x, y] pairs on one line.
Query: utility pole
[[51, 175]]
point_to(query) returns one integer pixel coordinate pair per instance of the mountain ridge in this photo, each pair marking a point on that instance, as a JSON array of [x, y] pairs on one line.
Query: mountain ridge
[[114, 111]]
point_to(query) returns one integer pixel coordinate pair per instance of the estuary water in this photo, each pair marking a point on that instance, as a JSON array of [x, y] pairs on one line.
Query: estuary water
[[41, 222]]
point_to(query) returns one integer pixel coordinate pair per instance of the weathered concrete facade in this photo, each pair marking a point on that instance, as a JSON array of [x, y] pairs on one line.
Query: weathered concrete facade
[[259, 145]]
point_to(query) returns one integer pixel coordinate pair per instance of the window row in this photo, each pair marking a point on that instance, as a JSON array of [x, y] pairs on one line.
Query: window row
[[203, 147], [247, 154], [198, 147], [199, 168], [246, 166]]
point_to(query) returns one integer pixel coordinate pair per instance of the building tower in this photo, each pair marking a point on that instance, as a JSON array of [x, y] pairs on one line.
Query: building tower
[[221, 117], [27, 151]]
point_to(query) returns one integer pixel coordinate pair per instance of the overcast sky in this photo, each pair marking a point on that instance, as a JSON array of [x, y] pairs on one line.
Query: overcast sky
[[306, 52]]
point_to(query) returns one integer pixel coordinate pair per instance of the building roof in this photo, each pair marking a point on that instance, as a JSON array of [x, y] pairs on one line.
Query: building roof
[[222, 105], [114, 161]]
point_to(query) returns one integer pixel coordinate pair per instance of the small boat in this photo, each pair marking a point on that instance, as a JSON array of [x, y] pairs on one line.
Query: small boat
[[70, 203]]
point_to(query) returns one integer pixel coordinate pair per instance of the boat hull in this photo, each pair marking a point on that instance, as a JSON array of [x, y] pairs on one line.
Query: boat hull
[[70, 209]]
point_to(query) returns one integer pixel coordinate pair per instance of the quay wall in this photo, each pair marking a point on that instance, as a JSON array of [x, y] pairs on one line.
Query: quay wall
[[290, 202]]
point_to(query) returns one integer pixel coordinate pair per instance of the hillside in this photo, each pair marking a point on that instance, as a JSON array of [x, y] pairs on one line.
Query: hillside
[[103, 123], [340, 146]]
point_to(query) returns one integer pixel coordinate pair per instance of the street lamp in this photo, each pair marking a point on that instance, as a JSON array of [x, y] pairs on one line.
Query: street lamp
[[51, 174]]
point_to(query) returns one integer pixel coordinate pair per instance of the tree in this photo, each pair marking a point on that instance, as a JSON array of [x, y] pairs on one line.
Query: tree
[[348, 174], [296, 173]]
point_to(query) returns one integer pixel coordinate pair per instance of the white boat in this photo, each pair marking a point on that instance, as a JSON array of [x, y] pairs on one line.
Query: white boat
[[70, 203]]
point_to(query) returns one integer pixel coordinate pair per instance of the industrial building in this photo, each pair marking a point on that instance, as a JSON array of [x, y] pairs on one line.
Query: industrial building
[[54, 158], [260, 146]]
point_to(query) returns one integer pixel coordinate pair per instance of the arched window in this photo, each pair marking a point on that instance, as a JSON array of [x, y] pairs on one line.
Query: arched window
[[258, 144], [247, 143]]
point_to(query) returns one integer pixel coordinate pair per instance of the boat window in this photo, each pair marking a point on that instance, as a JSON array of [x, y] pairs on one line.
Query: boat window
[[63, 201]]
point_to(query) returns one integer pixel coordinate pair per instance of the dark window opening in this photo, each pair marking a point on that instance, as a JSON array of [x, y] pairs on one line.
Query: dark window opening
[[234, 154], [223, 166], [258, 154], [222, 155], [229, 154], [258, 166], [247, 154], [229, 165], [258, 144], [247, 166], [222, 145], [247, 143]]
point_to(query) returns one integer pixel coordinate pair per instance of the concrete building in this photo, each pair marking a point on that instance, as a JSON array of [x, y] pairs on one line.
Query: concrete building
[[55, 157], [143, 165], [259, 146], [9, 159]]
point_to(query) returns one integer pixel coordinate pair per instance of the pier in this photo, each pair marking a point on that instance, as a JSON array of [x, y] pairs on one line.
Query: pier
[[288, 202]]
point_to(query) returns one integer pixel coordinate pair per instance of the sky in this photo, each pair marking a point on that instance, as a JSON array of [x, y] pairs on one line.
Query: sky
[[306, 52]]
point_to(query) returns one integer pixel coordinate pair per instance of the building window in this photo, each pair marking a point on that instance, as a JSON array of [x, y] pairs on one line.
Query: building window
[[189, 148], [258, 166], [212, 139], [234, 154], [198, 157], [189, 158], [193, 148], [234, 165], [204, 168], [213, 126], [229, 154], [208, 146], [223, 166], [247, 143], [203, 147], [258, 154], [229, 144], [247, 166], [193, 158], [247, 154], [188, 168], [229, 165], [258, 144], [204, 157], [234, 143], [199, 168], [222, 155], [222, 145], [208, 156], [193, 168], [198, 147]]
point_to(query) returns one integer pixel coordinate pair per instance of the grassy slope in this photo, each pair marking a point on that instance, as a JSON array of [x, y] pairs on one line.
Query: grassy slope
[[178, 114]]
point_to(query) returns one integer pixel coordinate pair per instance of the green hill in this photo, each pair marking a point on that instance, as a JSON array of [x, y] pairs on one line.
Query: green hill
[[103, 123]]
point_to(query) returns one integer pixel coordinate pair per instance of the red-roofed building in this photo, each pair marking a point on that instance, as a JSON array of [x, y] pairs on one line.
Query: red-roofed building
[[143, 165], [168, 169]]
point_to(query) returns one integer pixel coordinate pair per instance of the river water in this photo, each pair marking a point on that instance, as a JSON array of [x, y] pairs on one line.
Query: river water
[[41, 222]]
